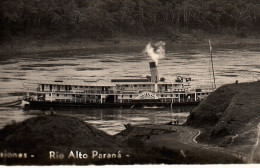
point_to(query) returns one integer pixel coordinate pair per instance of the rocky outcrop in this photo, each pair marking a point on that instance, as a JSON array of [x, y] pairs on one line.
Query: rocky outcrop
[[229, 115]]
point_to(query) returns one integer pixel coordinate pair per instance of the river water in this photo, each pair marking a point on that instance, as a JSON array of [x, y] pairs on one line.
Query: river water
[[231, 63]]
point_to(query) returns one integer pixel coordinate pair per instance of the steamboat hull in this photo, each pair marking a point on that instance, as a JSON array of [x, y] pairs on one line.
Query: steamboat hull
[[46, 105]]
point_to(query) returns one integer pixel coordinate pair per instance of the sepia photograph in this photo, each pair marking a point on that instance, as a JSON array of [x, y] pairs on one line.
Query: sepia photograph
[[129, 82]]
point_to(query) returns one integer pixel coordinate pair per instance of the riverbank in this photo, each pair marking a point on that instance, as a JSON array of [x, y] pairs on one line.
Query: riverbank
[[50, 139], [179, 138], [229, 117], [67, 46]]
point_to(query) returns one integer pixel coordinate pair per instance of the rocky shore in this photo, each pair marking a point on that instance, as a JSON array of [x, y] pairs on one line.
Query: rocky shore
[[63, 140], [229, 117]]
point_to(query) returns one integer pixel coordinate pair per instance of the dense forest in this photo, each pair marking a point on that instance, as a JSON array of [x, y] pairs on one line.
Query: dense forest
[[105, 18]]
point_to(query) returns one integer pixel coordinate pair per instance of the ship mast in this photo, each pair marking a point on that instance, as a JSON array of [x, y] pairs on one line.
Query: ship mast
[[210, 49]]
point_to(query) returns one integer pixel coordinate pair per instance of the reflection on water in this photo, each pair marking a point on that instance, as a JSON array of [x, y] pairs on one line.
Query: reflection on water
[[112, 120], [11, 115], [231, 63]]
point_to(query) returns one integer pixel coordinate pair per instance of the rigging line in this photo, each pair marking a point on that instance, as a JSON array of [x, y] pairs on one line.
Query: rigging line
[[209, 72], [210, 49]]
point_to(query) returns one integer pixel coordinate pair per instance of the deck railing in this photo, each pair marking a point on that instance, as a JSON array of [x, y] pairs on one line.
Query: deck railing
[[79, 92], [117, 91]]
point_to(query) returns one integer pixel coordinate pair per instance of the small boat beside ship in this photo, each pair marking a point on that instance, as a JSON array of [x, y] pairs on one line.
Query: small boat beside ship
[[11, 103]]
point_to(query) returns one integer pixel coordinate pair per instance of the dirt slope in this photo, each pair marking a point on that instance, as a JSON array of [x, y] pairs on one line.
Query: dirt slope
[[42, 134], [229, 115], [62, 134]]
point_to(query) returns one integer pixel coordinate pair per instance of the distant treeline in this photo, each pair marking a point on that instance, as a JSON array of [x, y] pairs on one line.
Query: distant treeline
[[104, 18]]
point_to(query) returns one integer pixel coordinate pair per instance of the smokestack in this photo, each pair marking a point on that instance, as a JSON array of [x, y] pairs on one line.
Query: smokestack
[[154, 72]]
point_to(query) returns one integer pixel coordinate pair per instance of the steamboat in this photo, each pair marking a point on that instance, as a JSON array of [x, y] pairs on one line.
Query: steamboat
[[151, 91]]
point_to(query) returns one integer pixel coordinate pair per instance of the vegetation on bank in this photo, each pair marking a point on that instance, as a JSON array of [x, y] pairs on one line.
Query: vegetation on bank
[[99, 19], [229, 115]]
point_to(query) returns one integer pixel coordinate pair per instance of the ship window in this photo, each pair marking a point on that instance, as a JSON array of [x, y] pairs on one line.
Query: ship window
[[122, 95], [58, 95], [143, 85], [49, 94], [135, 85], [126, 85], [130, 96], [81, 87], [161, 95], [171, 95], [76, 86]]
